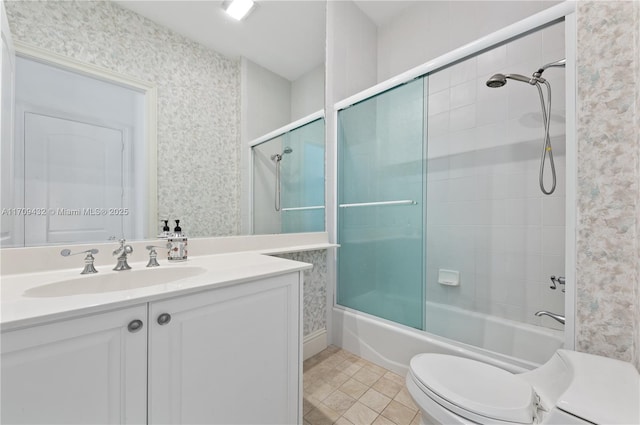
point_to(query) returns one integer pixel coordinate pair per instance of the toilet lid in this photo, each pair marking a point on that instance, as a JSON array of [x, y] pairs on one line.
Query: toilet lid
[[475, 387]]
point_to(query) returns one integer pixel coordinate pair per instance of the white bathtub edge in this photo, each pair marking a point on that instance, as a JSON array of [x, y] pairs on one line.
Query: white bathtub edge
[[392, 346]]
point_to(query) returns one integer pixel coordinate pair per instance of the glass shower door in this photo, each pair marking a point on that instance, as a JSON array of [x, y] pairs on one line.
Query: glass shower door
[[288, 181], [381, 211], [302, 180]]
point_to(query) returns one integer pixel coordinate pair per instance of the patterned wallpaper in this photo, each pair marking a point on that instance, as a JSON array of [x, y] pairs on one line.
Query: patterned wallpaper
[[315, 289], [636, 49], [198, 100], [608, 263]]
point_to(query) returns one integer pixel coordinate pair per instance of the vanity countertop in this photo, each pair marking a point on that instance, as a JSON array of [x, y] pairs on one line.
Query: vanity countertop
[[31, 298]]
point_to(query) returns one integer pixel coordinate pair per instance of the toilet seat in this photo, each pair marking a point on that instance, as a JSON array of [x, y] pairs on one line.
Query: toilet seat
[[474, 390]]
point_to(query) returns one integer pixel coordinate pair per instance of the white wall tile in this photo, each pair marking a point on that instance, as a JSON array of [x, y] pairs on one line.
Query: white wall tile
[[491, 109], [490, 136], [438, 102], [553, 240], [438, 146], [463, 143], [528, 48], [493, 61], [437, 191], [462, 118], [553, 43], [462, 189], [522, 99], [553, 211], [461, 162], [533, 268], [523, 211], [439, 80], [487, 183], [463, 72], [552, 265], [438, 125], [463, 94]]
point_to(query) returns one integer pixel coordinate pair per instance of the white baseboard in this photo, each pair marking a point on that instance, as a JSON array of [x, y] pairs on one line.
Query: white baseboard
[[314, 343]]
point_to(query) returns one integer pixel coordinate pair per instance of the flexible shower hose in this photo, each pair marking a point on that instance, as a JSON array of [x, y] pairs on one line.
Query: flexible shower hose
[[546, 146]]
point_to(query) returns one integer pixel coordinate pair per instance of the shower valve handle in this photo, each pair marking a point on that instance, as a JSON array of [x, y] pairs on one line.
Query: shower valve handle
[[560, 280]]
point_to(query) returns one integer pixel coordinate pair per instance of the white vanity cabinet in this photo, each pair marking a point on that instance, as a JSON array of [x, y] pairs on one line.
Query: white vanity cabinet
[[227, 356], [85, 370], [217, 356]]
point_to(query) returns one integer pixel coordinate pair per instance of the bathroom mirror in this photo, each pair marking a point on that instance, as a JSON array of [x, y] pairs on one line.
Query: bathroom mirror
[[220, 83]]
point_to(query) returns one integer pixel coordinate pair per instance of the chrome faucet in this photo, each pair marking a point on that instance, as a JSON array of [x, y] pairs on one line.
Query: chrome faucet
[[153, 255], [123, 250], [88, 260], [554, 316]]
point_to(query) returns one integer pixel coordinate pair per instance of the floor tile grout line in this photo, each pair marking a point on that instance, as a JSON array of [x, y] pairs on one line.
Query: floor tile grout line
[[331, 359]]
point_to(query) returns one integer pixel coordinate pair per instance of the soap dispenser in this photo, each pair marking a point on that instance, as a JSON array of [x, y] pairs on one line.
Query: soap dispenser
[[177, 244], [166, 230]]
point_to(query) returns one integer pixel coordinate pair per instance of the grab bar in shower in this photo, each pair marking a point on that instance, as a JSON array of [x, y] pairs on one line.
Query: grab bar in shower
[[381, 203], [317, 207]]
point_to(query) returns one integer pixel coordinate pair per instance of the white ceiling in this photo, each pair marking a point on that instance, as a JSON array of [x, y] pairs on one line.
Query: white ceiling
[[287, 37], [383, 11]]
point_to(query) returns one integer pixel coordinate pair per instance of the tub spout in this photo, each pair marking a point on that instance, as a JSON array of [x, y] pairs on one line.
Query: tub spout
[[554, 316]]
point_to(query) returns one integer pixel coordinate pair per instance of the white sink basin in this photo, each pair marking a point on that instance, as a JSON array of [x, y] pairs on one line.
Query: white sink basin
[[113, 281]]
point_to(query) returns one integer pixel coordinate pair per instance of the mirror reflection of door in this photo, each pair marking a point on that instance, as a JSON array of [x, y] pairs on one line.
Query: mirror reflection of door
[[74, 172], [76, 138]]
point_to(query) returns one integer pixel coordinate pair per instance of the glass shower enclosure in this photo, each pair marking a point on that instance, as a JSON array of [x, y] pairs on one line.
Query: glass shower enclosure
[[288, 181], [381, 169]]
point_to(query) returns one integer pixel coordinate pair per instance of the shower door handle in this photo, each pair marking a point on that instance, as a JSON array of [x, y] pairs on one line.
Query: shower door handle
[[318, 207], [380, 203]]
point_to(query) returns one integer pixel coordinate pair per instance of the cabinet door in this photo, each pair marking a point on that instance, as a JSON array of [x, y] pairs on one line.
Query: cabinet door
[[85, 370], [227, 356]]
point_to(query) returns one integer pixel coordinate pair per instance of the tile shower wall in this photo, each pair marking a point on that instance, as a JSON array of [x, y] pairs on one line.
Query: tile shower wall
[[608, 118], [486, 216], [428, 29], [315, 289], [198, 100]]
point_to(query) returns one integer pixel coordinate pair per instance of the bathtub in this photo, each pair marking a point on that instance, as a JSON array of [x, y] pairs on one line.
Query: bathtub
[[513, 346]]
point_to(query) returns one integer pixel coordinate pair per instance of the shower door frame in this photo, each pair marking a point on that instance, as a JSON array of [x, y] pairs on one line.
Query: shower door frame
[[267, 137], [562, 12], [422, 203]]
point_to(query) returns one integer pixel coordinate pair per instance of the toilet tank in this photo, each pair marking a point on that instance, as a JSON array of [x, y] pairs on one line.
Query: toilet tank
[[594, 388]]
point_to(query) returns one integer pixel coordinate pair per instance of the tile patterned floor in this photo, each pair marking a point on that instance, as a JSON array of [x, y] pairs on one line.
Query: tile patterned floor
[[343, 389]]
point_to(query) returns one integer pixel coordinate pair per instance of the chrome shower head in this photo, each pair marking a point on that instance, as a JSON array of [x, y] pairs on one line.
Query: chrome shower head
[[499, 80], [278, 156]]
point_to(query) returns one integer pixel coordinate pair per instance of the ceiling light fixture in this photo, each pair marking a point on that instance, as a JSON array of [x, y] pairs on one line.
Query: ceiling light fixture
[[238, 9]]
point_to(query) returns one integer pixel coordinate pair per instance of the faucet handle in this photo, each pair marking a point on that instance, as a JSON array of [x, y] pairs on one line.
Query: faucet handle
[[67, 252], [88, 259], [123, 249], [560, 280], [153, 255]]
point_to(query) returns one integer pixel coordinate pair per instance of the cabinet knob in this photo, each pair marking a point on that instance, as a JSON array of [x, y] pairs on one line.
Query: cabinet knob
[[135, 325], [164, 318]]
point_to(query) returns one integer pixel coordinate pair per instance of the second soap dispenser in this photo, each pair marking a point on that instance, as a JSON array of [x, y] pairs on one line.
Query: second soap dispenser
[[177, 244]]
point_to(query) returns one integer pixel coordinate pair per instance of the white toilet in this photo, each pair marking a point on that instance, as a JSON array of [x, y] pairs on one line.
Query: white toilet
[[571, 388]]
